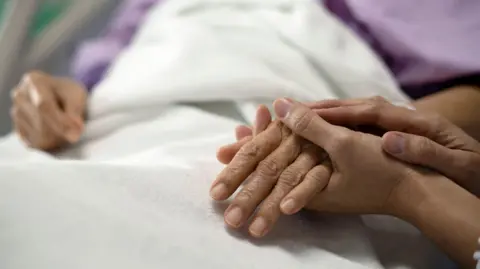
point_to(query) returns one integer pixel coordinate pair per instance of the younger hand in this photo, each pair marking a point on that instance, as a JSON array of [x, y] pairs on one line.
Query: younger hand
[[48, 112], [413, 137]]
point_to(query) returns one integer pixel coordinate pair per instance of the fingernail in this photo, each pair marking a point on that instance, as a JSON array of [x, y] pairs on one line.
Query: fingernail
[[395, 144], [234, 217], [72, 136], [282, 107], [289, 206], [258, 227], [219, 191]]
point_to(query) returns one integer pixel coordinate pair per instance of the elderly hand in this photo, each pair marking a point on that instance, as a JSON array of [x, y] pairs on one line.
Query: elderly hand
[[414, 137], [275, 162], [48, 112]]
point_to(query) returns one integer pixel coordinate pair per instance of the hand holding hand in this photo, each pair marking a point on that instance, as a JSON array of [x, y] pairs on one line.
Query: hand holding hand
[[413, 137], [310, 188], [48, 112], [364, 180]]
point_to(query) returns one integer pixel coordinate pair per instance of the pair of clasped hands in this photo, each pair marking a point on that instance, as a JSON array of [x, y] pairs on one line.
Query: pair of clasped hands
[[315, 156]]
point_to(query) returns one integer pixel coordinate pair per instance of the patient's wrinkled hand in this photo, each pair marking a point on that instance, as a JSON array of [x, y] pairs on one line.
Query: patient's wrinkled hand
[[276, 163], [48, 112]]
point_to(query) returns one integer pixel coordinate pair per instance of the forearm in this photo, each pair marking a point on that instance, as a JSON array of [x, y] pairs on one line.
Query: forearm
[[460, 105], [446, 213]]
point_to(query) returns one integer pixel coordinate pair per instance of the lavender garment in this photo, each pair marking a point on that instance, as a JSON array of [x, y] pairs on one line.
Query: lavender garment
[[428, 44], [94, 57], [425, 43]]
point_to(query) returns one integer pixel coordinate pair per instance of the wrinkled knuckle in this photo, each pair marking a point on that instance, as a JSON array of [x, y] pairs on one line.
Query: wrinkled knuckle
[[245, 195], [229, 172], [268, 168], [290, 179], [249, 150]]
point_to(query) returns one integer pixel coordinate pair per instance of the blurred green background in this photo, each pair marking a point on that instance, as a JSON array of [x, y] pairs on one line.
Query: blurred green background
[[48, 11]]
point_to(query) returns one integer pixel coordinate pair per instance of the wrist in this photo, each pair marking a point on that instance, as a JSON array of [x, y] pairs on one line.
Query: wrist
[[414, 194]]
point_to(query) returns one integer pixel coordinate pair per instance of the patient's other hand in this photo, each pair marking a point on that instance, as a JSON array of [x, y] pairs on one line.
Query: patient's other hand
[[48, 112], [275, 162]]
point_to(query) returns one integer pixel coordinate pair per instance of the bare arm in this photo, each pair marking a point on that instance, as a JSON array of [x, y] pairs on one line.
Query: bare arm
[[460, 105], [444, 212]]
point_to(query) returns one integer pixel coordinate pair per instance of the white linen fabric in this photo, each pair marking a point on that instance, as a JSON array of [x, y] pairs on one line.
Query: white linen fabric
[[134, 192]]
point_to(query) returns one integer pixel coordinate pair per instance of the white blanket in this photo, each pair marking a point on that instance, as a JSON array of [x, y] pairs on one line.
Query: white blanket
[[134, 193]]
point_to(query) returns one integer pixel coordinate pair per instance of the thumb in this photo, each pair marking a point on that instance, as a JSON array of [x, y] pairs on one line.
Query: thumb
[[422, 151], [74, 109], [73, 97], [74, 106], [416, 149], [305, 122]]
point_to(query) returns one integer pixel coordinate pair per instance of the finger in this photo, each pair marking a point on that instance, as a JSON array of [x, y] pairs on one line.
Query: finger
[[226, 153], [269, 211], [262, 181], [324, 104], [419, 150], [22, 125], [246, 160], [42, 98], [389, 117], [304, 122], [243, 131], [22, 104], [72, 97], [315, 181], [262, 120]]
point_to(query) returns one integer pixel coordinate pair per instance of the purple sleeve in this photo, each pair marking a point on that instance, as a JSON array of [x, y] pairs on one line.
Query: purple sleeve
[[427, 41], [93, 57]]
